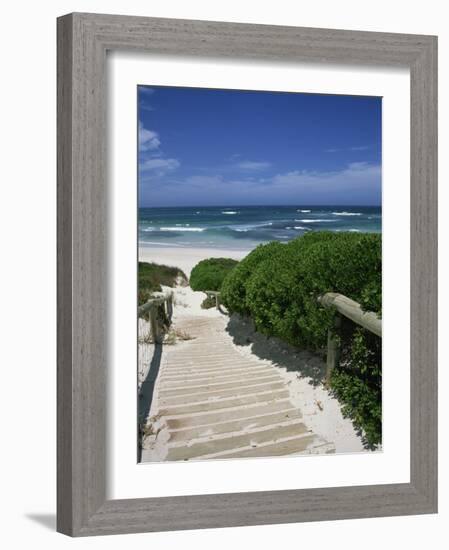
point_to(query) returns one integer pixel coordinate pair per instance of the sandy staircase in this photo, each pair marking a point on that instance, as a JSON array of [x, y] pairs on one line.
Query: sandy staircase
[[211, 401]]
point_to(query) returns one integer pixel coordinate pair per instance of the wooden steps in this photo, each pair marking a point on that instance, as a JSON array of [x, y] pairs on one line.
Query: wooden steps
[[213, 402]]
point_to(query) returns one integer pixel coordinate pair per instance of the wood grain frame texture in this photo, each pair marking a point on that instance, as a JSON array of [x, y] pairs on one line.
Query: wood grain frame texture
[[83, 40]]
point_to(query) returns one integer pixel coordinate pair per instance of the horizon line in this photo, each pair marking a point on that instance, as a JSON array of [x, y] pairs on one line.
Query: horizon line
[[254, 205]]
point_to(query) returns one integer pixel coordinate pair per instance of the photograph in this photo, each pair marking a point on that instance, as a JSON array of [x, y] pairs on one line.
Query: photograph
[[259, 274]]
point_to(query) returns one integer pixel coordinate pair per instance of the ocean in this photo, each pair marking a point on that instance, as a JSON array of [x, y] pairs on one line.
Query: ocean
[[244, 227]]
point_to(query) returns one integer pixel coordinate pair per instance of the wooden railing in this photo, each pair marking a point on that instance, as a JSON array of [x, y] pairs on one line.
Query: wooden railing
[[352, 310], [214, 294], [160, 312]]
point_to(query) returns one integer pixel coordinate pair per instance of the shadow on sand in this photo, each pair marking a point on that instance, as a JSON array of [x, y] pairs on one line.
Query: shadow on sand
[[304, 363], [147, 391]]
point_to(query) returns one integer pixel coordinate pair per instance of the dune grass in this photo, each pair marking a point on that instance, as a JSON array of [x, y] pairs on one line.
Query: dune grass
[[152, 276]]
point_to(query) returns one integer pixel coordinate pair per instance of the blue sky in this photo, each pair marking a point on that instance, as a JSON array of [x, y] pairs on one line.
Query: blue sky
[[203, 147]]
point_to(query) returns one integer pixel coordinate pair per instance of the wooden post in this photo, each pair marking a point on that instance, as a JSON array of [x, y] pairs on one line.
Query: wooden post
[[333, 347], [170, 307], [160, 312], [352, 310], [154, 323]]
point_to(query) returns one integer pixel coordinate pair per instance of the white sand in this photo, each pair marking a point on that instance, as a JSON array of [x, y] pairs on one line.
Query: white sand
[[186, 258], [301, 370]]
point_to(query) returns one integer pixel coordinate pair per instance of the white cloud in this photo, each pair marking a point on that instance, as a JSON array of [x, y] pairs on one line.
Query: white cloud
[[360, 148], [146, 90], [354, 166], [235, 156], [357, 183], [160, 165], [148, 140], [354, 148], [146, 107], [356, 172], [251, 165], [151, 159], [233, 164]]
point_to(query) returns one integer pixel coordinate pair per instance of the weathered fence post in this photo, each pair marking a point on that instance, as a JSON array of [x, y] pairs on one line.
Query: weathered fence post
[[154, 323], [160, 312], [169, 304], [343, 305], [333, 347], [216, 295]]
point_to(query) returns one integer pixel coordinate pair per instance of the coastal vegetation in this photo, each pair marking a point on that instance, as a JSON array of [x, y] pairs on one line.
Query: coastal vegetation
[[152, 276], [209, 274], [208, 302], [278, 285]]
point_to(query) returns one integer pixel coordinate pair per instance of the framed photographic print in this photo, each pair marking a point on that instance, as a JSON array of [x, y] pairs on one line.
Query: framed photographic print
[[246, 274], [235, 250]]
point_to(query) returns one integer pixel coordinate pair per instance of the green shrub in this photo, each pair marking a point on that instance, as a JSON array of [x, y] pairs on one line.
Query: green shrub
[[278, 286], [357, 383], [209, 274], [233, 291], [208, 302], [152, 276]]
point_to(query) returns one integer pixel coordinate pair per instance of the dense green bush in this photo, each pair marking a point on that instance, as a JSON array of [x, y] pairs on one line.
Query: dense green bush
[[209, 274], [278, 286], [358, 382], [152, 276], [233, 290]]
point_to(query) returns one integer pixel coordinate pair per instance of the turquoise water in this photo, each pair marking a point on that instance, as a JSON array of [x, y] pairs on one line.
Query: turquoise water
[[244, 227]]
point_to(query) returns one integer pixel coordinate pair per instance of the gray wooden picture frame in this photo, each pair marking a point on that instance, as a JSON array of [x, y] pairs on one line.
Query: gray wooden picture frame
[[83, 40]]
